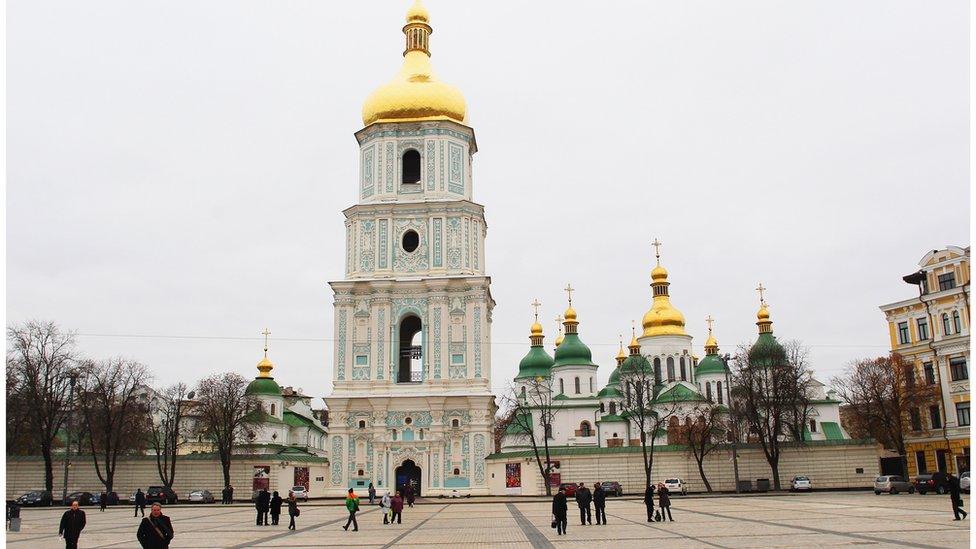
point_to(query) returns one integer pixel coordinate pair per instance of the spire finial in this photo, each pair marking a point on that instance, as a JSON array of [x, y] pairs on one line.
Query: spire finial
[[569, 291], [762, 296], [633, 330], [266, 333], [417, 29], [657, 250], [709, 320], [535, 306]]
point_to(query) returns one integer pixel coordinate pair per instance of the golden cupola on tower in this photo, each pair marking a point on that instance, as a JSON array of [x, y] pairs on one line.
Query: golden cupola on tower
[[662, 318], [415, 93]]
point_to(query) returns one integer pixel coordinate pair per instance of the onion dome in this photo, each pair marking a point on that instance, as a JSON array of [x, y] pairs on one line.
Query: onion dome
[[621, 355], [571, 350], [662, 318], [537, 362], [711, 363], [766, 351], [559, 330], [264, 384], [415, 93]]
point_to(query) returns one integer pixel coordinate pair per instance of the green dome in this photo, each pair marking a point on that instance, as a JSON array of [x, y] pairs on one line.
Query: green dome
[[263, 386], [615, 376], [609, 391], [635, 362], [711, 364], [679, 393], [572, 352], [766, 351], [535, 364]]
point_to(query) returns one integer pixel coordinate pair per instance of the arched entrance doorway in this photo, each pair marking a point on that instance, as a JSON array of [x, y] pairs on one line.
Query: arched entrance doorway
[[408, 474]]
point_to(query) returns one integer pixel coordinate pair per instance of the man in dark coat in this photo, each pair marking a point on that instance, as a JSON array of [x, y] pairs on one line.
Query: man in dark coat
[[396, 507], [559, 512], [955, 495], [223, 496], [156, 530], [409, 494], [140, 503], [583, 499], [262, 504], [230, 494], [72, 523], [600, 503], [275, 508], [649, 502], [664, 500], [102, 501]]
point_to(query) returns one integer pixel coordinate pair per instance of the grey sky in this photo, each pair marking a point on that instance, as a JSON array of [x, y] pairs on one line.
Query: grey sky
[[178, 168]]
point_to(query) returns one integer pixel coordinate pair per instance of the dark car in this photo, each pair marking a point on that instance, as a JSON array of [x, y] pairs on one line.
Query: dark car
[[161, 494], [613, 488], [569, 489], [35, 498], [111, 498], [928, 483], [83, 498]]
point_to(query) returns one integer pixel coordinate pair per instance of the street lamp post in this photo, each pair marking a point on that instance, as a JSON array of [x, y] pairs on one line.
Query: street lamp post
[[735, 434], [72, 378]]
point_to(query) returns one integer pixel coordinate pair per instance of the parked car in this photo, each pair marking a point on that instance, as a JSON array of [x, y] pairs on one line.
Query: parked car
[[111, 498], [161, 494], [569, 489], [800, 483], [676, 486], [83, 498], [36, 498], [928, 483], [964, 482], [613, 488], [892, 484], [200, 496], [300, 492]]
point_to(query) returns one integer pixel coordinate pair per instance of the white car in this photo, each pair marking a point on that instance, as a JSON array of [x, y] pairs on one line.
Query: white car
[[299, 492], [800, 483], [200, 496], [676, 486], [964, 482]]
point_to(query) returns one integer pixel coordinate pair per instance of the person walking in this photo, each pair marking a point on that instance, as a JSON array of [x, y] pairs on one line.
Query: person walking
[[664, 501], [372, 493], [385, 507], [559, 510], [583, 499], [223, 496], [262, 503], [230, 494], [352, 505], [600, 503], [72, 523], [275, 508], [102, 501], [156, 530], [649, 502], [955, 496], [396, 508], [408, 492], [292, 510], [140, 503]]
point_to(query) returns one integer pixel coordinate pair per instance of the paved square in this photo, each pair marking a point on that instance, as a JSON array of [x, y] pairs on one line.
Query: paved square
[[804, 520]]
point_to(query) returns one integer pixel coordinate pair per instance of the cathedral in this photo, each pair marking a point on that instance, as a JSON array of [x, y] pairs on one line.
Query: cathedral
[[412, 401]]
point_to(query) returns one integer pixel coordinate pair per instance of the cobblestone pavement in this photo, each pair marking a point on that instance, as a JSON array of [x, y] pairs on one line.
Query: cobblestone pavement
[[804, 520]]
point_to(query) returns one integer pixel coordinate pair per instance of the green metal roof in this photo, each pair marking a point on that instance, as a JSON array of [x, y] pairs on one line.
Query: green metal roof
[[610, 418], [573, 352], [518, 427], [595, 450], [560, 396], [710, 364], [609, 391], [536, 363], [265, 417], [297, 420], [806, 434], [766, 351], [832, 430], [263, 386], [679, 393]]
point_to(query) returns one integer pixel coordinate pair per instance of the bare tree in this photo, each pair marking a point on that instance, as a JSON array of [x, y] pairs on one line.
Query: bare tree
[[40, 362], [704, 431], [166, 414], [226, 412], [113, 405], [769, 389], [640, 405], [880, 394], [797, 416], [531, 413]]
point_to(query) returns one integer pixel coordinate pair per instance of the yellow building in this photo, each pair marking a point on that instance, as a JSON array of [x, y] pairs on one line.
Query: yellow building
[[931, 330]]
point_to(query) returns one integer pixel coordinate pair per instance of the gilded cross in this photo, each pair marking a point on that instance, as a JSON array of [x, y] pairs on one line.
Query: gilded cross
[[559, 322], [709, 320], [569, 291], [657, 249], [266, 333], [535, 305], [761, 289], [632, 332]]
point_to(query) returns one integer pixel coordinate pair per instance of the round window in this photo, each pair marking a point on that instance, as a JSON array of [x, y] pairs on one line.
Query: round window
[[410, 241], [408, 421]]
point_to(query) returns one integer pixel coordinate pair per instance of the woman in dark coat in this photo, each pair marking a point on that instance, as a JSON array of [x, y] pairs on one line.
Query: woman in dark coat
[[649, 502], [664, 500], [559, 512], [275, 508], [156, 530], [292, 510]]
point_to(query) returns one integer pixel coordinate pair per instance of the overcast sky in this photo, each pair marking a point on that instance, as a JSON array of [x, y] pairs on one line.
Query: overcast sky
[[178, 168]]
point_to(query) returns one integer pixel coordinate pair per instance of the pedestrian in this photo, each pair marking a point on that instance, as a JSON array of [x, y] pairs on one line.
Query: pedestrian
[[223, 496], [583, 499], [292, 510], [600, 503], [385, 507], [664, 501], [396, 508], [372, 493], [352, 505], [559, 510], [408, 492], [230, 494], [262, 503], [102, 501], [955, 496], [275, 508], [140, 503], [649, 502], [156, 530], [72, 523]]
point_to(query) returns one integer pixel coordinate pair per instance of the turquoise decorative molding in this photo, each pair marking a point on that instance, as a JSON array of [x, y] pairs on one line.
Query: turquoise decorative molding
[[463, 416], [437, 247], [410, 262], [352, 458], [441, 159], [367, 167], [381, 330], [430, 165], [455, 182], [419, 418], [341, 346], [384, 252], [418, 133], [465, 455], [475, 246], [435, 465], [390, 166], [435, 343], [336, 460], [477, 342], [479, 459], [366, 251], [454, 243], [467, 244]]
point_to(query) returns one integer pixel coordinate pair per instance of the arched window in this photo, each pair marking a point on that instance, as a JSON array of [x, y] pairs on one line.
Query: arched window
[[628, 393], [411, 350], [577, 386], [670, 369], [585, 430], [946, 328], [394, 434], [718, 387], [708, 390], [813, 426], [411, 166], [956, 322], [457, 471], [272, 409], [421, 434], [615, 435], [591, 384], [613, 408], [455, 423], [603, 408], [362, 424], [684, 371], [523, 393], [562, 388], [657, 371]]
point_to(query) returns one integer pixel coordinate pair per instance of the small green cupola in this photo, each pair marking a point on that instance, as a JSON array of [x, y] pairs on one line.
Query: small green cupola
[[766, 351], [711, 363], [537, 363], [264, 383], [572, 351]]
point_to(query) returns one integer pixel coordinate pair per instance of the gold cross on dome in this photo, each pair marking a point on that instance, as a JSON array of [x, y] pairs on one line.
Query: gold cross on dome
[[709, 320], [569, 291], [266, 333], [657, 250], [632, 332], [535, 305], [762, 297], [559, 322]]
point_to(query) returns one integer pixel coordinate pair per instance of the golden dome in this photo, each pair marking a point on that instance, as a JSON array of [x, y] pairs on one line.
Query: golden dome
[[763, 313], [415, 93], [711, 342], [536, 329], [621, 354], [633, 342], [570, 314], [663, 319], [659, 274], [265, 367], [559, 339]]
